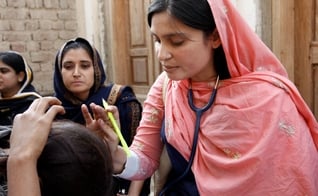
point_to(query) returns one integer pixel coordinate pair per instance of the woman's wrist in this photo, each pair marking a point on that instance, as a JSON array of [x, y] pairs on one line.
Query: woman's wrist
[[131, 166], [20, 167], [20, 157], [120, 161]]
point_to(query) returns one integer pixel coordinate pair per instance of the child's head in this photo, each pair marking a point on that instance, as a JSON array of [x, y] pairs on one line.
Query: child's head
[[74, 162]]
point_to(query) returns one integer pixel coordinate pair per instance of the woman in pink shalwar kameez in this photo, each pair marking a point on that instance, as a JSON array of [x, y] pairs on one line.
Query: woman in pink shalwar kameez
[[258, 137]]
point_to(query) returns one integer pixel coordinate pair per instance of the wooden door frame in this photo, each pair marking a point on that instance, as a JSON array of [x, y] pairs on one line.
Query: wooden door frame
[[117, 28], [130, 52], [292, 41], [304, 36], [314, 56]]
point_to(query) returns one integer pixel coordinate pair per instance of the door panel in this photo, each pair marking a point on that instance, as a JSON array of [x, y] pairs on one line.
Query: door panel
[[132, 53], [144, 67], [314, 55]]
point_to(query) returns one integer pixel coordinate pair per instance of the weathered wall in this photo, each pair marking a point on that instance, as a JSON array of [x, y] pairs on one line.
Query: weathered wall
[[37, 28], [258, 15]]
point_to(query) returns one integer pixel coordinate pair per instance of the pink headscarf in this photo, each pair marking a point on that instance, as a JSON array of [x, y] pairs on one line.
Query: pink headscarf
[[259, 137], [246, 53]]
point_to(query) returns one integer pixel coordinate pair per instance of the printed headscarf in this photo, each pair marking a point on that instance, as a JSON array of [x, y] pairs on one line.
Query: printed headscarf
[[246, 53]]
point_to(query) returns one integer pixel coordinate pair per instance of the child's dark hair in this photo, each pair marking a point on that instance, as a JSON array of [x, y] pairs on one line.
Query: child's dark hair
[[74, 161]]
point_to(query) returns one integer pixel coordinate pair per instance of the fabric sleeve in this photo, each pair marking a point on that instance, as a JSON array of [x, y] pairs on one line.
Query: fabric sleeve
[[131, 166], [147, 144]]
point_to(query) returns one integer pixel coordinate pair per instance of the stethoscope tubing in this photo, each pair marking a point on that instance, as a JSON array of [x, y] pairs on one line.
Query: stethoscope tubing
[[198, 113]]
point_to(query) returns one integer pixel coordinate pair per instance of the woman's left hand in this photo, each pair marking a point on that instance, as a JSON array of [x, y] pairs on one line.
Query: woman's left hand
[[101, 125], [92, 121]]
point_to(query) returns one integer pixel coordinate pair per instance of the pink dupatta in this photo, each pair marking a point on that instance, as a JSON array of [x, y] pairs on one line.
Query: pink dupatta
[[259, 137]]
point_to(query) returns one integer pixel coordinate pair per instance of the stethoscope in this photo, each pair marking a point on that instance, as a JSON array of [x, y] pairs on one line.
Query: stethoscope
[[198, 114], [199, 111]]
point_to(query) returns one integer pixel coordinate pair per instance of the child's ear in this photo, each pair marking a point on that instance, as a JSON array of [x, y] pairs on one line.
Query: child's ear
[[215, 38]]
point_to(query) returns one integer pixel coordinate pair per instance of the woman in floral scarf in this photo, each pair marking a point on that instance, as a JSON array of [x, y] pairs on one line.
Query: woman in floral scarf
[[233, 123]]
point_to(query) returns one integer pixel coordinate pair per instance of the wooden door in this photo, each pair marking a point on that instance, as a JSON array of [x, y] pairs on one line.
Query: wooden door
[[306, 51], [295, 42], [131, 49]]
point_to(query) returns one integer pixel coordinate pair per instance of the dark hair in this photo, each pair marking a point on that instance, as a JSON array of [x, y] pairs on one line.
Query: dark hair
[[74, 161], [76, 44], [196, 14], [16, 62]]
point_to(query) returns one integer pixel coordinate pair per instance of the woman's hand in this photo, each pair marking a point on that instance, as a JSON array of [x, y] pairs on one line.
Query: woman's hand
[[101, 125], [103, 128], [28, 137], [91, 121], [31, 128]]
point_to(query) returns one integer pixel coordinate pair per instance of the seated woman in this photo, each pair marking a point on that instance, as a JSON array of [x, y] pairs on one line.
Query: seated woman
[[16, 90], [56, 158], [79, 79]]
